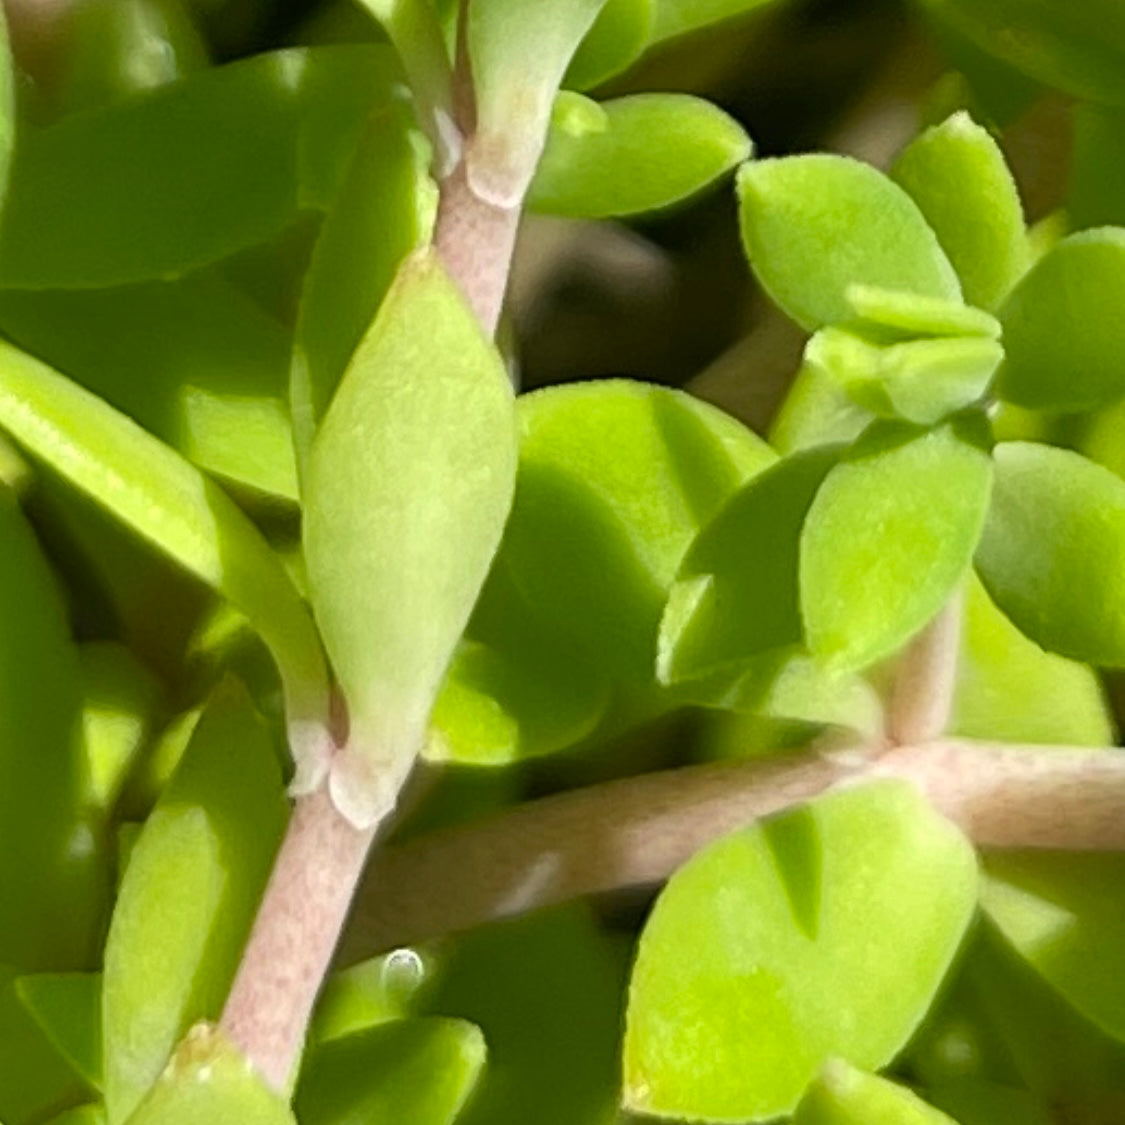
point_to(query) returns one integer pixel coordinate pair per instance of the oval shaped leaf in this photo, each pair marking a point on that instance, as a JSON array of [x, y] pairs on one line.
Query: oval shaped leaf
[[1062, 336], [823, 932], [844, 1095], [162, 184], [616, 39], [889, 536], [632, 154], [1053, 548], [813, 225], [188, 896], [816, 411], [957, 175], [409, 484], [175, 507]]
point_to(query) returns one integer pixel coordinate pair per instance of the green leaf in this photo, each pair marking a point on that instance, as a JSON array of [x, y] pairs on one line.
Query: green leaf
[[67, 1007], [632, 154], [973, 1102], [385, 208], [957, 175], [615, 480], [813, 225], [919, 381], [51, 861], [1053, 550], [736, 592], [823, 932], [420, 1071], [1079, 47], [194, 361], [843, 1095], [190, 173], [7, 109], [82, 1115], [1010, 690], [893, 316], [520, 50], [171, 504], [1064, 915], [409, 484], [889, 536], [188, 897], [676, 17], [616, 39], [816, 411], [208, 1081], [1096, 164], [1062, 335]]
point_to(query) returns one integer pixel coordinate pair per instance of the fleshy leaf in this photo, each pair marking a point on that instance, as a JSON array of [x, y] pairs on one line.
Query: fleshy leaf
[[615, 480], [890, 535], [188, 896], [975, 1102], [384, 209], [890, 316], [520, 51], [1095, 197], [843, 1095], [816, 411], [420, 1071], [409, 483], [190, 173], [67, 1006], [207, 1081], [1009, 689], [632, 154], [676, 17], [616, 39], [1062, 336], [813, 225], [957, 175], [92, 1114], [170, 503], [7, 108], [824, 932], [736, 593], [1053, 550]]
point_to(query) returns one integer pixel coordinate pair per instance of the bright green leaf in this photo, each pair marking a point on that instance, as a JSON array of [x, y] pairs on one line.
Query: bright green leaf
[[420, 1071], [67, 1006], [894, 315], [821, 933], [171, 504], [190, 173], [409, 484], [633, 154], [816, 411], [616, 39], [889, 536], [957, 175], [520, 50], [188, 897], [736, 592], [206, 1082], [843, 1095], [1053, 550], [1009, 689], [1062, 335], [813, 225], [82, 1115]]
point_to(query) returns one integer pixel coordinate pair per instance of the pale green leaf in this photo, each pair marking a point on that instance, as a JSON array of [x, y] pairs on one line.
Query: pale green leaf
[[616, 39], [844, 1095], [816, 411], [896, 315], [814, 225], [93, 1114], [409, 483], [632, 154], [824, 932]]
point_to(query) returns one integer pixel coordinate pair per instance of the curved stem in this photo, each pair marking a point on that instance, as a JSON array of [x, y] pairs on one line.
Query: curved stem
[[637, 831]]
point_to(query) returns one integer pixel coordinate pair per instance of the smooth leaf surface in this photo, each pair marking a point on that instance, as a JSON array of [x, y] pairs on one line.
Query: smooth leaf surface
[[92, 1114], [957, 175], [676, 17], [896, 315], [7, 108], [420, 1071], [615, 480], [1009, 689], [207, 1081], [736, 593], [67, 1007], [1062, 337], [409, 484], [520, 50], [1053, 548], [824, 932], [816, 411], [844, 1095], [616, 39], [890, 535], [990, 1103], [168, 182], [188, 896], [632, 154], [161, 497], [1095, 198], [813, 225]]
